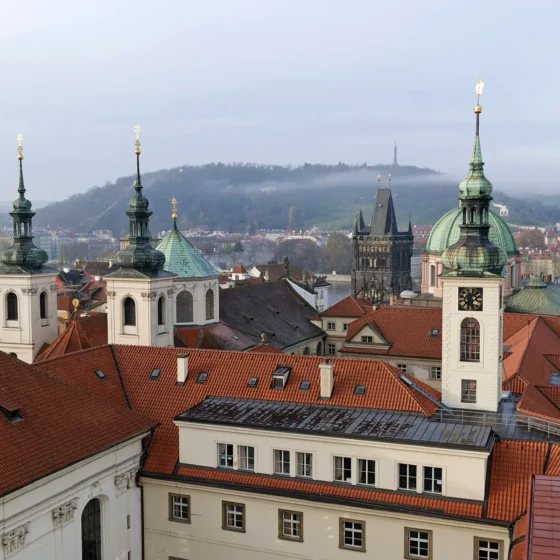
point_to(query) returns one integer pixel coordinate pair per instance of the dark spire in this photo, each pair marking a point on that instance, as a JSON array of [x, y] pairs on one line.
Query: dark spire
[[410, 224], [22, 253]]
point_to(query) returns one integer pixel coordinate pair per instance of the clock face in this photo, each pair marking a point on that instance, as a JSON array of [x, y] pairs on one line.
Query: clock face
[[470, 299]]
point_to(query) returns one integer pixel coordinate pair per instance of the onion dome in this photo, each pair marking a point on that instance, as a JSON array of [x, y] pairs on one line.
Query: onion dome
[[22, 253]]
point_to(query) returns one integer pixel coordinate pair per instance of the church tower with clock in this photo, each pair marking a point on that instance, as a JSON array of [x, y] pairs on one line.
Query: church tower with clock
[[472, 297]]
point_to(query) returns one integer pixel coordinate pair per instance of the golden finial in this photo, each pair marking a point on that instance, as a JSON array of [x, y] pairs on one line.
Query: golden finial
[[20, 146], [137, 142], [174, 211], [378, 179], [478, 88]]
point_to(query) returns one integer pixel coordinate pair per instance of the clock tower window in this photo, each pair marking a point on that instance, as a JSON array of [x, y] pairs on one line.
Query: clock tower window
[[470, 340]]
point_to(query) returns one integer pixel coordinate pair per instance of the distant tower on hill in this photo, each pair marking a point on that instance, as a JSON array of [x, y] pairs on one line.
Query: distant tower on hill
[[395, 161]]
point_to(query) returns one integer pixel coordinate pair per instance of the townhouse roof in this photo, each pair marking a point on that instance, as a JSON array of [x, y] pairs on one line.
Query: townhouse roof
[[239, 269], [348, 307], [51, 425]]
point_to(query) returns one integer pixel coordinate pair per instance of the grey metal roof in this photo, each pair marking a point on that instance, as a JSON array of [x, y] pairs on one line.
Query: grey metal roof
[[358, 423]]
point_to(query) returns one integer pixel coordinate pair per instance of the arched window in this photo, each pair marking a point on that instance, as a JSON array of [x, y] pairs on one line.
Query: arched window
[[91, 531], [432, 275], [12, 307], [306, 351], [185, 307], [43, 305], [161, 311], [209, 304], [319, 348], [129, 308], [473, 215], [470, 340], [464, 215]]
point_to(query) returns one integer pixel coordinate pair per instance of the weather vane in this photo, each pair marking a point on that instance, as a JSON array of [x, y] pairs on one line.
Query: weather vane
[[20, 146], [174, 206], [137, 142]]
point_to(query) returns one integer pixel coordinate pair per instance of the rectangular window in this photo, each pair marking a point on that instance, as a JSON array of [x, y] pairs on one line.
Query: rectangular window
[[402, 367], [345, 327], [417, 543], [225, 455], [352, 534], [468, 390], [290, 525], [366, 471], [331, 326], [433, 479], [128, 521], [331, 349], [233, 516], [281, 461], [246, 455], [304, 464], [179, 508], [436, 372], [487, 550], [368, 339], [343, 469], [407, 477]]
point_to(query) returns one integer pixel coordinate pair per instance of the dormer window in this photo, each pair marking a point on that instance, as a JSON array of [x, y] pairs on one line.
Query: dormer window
[[11, 412], [280, 377]]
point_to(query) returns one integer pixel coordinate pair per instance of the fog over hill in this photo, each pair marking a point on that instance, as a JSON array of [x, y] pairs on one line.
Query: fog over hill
[[242, 197]]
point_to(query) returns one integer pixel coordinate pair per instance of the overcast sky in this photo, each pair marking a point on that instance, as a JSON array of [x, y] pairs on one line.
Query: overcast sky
[[272, 81]]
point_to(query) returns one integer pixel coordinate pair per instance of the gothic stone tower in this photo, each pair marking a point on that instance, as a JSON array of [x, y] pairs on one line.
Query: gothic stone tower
[[381, 253]]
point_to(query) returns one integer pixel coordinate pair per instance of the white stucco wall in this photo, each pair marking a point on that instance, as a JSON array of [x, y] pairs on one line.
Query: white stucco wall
[[198, 289], [108, 476]]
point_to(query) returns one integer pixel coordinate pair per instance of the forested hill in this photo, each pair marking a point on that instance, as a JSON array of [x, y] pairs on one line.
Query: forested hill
[[241, 197]]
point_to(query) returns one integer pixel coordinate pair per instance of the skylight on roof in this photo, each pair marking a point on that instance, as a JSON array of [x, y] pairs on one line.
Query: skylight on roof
[[555, 379], [202, 377], [434, 332], [253, 382], [100, 374], [305, 386], [360, 390], [155, 373]]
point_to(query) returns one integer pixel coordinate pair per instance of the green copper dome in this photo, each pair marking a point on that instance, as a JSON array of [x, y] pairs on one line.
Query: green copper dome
[[447, 232], [182, 258], [535, 297]]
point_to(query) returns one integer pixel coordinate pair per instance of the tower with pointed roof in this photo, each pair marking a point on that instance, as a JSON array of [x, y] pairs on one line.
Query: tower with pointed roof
[[27, 286], [381, 253], [395, 160], [473, 297], [140, 293], [196, 298]]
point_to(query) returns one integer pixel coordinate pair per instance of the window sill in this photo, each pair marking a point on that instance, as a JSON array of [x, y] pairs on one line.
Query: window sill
[[177, 520], [233, 529], [291, 539], [351, 548]]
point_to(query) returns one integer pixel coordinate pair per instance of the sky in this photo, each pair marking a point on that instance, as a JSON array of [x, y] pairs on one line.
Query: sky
[[281, 82]]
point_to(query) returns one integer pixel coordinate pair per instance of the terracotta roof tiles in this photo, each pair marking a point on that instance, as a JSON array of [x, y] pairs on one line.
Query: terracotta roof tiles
[[544, 519], [348, 307]]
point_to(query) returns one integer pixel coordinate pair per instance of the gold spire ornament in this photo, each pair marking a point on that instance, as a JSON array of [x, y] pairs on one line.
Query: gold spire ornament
[[20, 146], [174, 211], [479, 89], [137, 142]]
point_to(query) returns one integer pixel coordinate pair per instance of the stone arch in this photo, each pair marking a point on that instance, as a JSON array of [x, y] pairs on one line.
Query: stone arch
[[129, 311], [210, 304], [43, 305], [12, 306], [185, 307]]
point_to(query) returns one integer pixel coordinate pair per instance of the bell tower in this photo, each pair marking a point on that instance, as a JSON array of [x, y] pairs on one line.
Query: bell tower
[[28, 317], [472, 297], [140, 293]]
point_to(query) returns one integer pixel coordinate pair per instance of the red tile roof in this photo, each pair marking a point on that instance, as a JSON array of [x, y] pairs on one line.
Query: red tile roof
[[447, 506], [348, 307], [534, 403], [543, 534], [62, 424], [240, 269]]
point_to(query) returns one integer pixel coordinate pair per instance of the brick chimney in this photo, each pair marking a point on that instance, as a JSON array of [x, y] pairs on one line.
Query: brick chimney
[[182, 368], [327, 379]]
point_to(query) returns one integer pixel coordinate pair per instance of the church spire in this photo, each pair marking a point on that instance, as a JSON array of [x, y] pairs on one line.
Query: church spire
[[395, 161]]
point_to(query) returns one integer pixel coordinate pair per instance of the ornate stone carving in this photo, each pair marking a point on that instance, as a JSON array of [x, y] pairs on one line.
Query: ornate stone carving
[[53, 288], [95, 489], [29, 291], [170, 292], [14, 540], [149, 295], [111, 293], [65, 513], [125, 480]]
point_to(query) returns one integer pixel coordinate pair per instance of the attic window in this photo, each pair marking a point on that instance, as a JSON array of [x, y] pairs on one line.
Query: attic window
[[280, 376], [305, 386], [155, 374], [100, 374], [555, 379], [11, 412], [434, 332], [253, 382], [360, 390], [202, 377]]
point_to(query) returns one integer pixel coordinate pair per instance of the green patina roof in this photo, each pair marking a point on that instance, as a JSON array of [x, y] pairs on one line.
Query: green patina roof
[[182, 258], [475, 185], [446, 232], [536, 297]]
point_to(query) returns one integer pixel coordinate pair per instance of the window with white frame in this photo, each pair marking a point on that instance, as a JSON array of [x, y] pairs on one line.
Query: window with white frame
[[343, 469], [331, 348], [407, 476], [233, 516], [366, 471], [402, 367], [290, 525], [485, 549], [304, 464], [436, 372], [225, 455], [246, 456], [179, 508], [417, 543], [331, 326], [368, 339], [433, 480], [281, 461], [345, 327], [352, 534]]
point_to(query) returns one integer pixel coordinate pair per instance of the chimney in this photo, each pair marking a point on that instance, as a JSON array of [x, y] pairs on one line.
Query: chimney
[[182, 368], [327, 379]]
